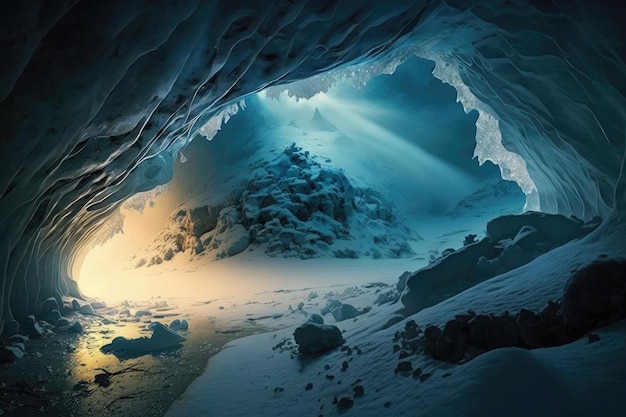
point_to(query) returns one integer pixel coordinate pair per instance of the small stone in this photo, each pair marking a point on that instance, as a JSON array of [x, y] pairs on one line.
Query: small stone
[[344, 366], [316, 318], [387, 404], [86, 310], [403, 354], [20, 345], [330, 377], [327, 367], [345, 403], [358, 391], [309, 386], [404, 367], [425, 376], [76, 327], [10, 354], [417, 372]]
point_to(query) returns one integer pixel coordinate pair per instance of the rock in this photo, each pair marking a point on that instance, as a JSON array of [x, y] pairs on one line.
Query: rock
[[19, 338], [358, 391], [315, 339], [184, 325], [595, 295], [76, 327], [316, 318], [11, 327], [175, 325], [404, 366], [432, 335], [48, 305], [20, 346], [62, 323], [30, 327], [308, 387], [342, 311], [10, 354], [530, 325], [97, 305], [75, 305], [345, 403], [141, 313], [411, 330], [52, 316], [86, 310]]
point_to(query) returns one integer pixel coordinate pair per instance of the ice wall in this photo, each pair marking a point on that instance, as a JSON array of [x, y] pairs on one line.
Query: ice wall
[[95, 98]]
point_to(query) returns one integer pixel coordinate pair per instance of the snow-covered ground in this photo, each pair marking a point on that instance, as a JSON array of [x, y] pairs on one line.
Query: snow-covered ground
[[258, 375]]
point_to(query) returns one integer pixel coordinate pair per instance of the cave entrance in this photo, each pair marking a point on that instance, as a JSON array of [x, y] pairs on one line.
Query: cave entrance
[[355, 184]]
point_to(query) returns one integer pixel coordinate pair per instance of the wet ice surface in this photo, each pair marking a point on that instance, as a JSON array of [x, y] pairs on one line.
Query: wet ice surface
[[67, 374]]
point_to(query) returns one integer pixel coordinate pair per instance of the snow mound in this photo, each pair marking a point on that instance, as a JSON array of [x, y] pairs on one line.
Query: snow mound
[[292, 206]]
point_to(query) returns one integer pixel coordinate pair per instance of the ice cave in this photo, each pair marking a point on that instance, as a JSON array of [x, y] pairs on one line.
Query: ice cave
[[313, 208]]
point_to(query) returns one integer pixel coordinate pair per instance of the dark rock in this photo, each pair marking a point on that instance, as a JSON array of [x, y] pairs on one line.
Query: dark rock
[[403, 354], [75, 305], [387, 404], [315, 339], [358, 391], [76, 327], [10, 354], [316, 318], [411, 330], [432, 335], [345, 403], [424, 376], [30, 327], [594, 295], [344, 366], [530, 325], [396, 348], [308, 387], [48, 305], [404, 366], [330, 377], [417, 372]]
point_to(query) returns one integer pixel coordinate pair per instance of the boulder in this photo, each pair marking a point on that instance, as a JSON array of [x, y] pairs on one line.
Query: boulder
[[314, 339], [594, 295], [30, 327], [48, 305]]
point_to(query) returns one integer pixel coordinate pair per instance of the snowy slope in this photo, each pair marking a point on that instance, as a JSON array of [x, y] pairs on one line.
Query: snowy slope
[[578, 379]]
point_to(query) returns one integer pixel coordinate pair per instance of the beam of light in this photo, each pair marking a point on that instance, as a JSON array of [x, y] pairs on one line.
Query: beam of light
[[415, 169]]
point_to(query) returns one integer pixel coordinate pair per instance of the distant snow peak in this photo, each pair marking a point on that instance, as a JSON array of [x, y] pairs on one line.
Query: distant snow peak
[[320, 123]]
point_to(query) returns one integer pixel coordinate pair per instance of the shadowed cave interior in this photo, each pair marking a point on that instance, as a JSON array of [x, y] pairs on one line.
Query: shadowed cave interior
[[312, 208]]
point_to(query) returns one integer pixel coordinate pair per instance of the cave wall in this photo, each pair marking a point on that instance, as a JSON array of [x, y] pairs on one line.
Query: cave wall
[[97, 96]]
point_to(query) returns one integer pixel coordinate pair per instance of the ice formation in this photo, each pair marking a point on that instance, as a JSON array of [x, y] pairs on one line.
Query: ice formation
[[97, 99]]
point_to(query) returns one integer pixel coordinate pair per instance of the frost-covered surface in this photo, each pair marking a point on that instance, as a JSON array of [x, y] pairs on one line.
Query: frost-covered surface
[[262, 375]]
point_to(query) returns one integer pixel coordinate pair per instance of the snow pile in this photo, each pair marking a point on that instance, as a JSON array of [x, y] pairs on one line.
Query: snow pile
[[295, 205]]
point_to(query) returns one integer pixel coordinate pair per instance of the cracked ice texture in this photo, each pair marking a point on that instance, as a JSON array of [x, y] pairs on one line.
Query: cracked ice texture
[[97, 97]]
